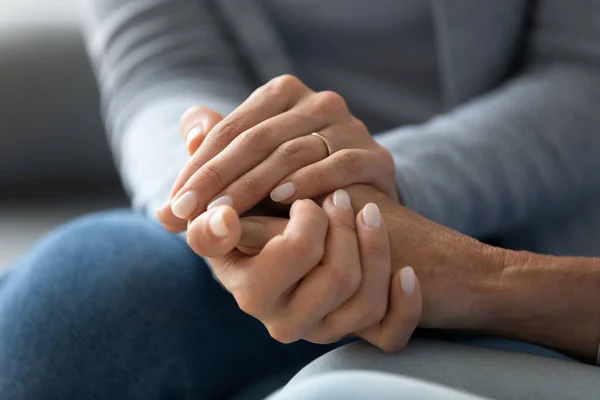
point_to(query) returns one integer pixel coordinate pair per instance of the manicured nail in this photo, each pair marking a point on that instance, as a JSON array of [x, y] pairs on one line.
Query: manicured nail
[[217, 225], [408, 280], [342, 199], [221, 201], [283, 192], [372, 215], [194, 133], [185, 205]]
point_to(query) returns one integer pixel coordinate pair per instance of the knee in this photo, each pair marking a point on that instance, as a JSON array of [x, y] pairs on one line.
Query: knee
[[363, 385], [107, 261]]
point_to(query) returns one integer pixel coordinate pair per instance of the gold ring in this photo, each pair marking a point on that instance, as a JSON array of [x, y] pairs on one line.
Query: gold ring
[[329, 151]]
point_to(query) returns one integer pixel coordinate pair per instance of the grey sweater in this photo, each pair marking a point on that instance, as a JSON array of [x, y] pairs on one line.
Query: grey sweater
[[518, 139]]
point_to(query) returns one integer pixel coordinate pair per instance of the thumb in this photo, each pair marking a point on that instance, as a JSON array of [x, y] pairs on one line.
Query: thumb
[[195, 124], [257, 231], [214, 233]]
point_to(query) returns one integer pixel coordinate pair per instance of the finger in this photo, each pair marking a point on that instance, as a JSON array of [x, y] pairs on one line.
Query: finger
[[368, 306], [195, 124], [170, 224], [245, 152], [341, 169], [271, 99], [301, 246], [261, 283], [338, 276], [255, 185], [258, 231], [215, 233], [311, 112], [403, 315]]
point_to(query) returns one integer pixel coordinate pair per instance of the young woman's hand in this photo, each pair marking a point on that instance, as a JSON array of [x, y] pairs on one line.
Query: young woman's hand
[[285, 141], [322, 275]]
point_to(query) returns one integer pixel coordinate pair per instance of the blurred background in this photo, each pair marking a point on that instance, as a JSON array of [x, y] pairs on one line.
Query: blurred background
[[54, 160]]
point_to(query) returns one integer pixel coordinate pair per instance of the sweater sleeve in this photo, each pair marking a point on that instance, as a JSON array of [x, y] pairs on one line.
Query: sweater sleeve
[[526, 151], [153, 60]]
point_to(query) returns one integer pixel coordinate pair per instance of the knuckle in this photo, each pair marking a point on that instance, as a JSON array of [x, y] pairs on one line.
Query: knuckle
[[387, 160], [283, 333], [328, 102], [251, 186], [305, 248], [209, 175], [224, 132], [347, 280], [350, 162], [390, 346], [283, 84], [324, 338], [246, 301], [293, 153], [357, 130], [256, 139]]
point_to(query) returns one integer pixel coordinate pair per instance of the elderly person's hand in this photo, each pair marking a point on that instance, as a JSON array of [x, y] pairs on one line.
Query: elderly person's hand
[[321, 276], [285, 141]]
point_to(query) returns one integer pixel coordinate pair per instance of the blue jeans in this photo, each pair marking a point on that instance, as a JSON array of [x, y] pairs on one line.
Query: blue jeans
[[112, 306]]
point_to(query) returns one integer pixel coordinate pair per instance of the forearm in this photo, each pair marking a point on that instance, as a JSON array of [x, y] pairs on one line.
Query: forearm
[[548, 300], [483, 168], [155, 59]]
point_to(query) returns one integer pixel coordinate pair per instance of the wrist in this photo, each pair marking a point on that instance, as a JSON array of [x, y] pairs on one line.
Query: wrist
[[458, 295]]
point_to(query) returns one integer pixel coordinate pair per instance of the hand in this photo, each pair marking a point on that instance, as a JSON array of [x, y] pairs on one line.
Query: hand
[[321, 276], [456, 271], [265, 147], [193, 122]]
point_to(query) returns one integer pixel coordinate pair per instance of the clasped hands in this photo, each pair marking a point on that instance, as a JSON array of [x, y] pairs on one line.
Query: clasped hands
[[328, 271]]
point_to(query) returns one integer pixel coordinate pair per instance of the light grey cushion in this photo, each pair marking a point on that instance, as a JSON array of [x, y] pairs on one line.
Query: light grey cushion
[[493, 373]]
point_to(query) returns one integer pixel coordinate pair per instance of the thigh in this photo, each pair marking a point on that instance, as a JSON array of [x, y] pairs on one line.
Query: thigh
[[112, 306], [363, 385], [494, 373]]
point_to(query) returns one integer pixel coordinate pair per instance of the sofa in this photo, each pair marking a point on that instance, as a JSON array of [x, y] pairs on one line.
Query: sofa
[[54, 159]]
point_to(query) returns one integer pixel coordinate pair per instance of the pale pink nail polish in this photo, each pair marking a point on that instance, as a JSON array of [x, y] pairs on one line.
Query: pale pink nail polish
[[408, 280], [283, 192], [185, 205], [217, 225], [342, 199], [372, 215], [221, 201]]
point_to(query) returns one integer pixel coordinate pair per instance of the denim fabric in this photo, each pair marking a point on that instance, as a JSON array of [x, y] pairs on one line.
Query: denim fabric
[[113, 307]]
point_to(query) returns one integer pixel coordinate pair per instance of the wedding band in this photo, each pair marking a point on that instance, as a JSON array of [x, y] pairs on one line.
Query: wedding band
[[329, 151]]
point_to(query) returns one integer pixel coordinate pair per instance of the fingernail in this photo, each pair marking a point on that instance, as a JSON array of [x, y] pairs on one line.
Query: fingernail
[[372, 216], [161, 208], [217, 225], [342, 199], [408, 280], [221, 201], [283, 192], [185, 205], [253, 234], [194, 133]]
